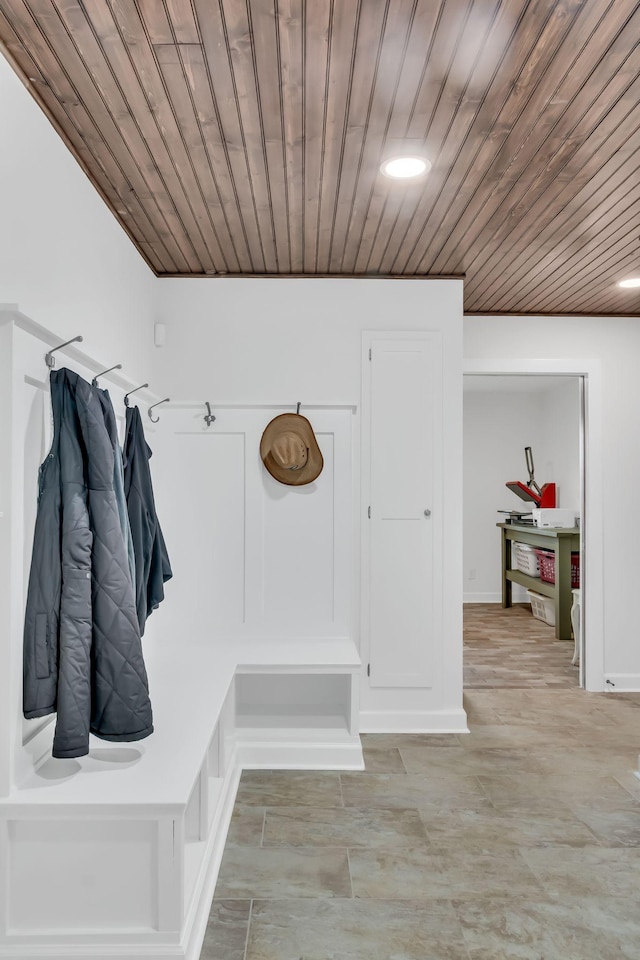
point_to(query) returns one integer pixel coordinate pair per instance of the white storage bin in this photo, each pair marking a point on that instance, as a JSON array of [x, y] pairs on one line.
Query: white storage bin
[[525, 559], [543, 608]]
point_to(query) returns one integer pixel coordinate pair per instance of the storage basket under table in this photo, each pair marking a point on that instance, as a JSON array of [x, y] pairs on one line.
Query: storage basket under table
[[547, 564], [525, 558]]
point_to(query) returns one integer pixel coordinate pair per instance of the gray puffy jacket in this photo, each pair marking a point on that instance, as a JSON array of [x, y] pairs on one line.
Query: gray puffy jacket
[[82, 648]]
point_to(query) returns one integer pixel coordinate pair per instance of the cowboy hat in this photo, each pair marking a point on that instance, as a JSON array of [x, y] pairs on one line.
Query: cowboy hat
[[290, 451]]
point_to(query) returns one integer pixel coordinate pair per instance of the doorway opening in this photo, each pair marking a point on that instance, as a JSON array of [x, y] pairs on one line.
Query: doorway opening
[[522, 623]]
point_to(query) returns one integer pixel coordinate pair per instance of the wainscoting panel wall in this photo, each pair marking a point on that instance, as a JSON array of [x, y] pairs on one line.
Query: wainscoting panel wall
[[272, 560]]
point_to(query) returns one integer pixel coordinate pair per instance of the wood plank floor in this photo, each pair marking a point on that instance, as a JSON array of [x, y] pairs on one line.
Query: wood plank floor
[[510, 648]]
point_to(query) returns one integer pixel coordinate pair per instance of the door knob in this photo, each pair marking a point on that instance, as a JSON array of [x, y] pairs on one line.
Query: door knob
[[427, 513]]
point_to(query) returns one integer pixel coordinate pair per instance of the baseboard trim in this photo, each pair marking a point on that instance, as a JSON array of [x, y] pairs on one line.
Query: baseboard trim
[[482, 598], [294, 755], [431, 721]]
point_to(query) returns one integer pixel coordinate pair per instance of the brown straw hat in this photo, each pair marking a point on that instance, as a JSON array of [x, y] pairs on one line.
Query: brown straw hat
[[290, 451]]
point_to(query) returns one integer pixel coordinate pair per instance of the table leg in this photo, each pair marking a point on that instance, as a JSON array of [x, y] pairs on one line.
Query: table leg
[[563, 589], [506, 565]]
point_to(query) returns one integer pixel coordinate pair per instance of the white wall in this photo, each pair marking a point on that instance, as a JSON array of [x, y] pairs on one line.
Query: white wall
[[64, 259], [560, 443], [615, 343], [280, 341], [275, 342]]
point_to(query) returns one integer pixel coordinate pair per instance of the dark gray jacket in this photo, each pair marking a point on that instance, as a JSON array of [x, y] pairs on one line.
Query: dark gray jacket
[[152, 561], [82, 648]]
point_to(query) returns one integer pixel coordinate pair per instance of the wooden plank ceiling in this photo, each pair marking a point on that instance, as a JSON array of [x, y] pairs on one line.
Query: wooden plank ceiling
[[245, 136]]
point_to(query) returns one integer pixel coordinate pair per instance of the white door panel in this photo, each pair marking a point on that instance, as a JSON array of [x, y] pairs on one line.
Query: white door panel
[[406, 518]]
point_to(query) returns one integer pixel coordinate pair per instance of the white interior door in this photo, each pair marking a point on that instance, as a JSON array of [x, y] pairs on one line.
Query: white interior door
[[405, 583]]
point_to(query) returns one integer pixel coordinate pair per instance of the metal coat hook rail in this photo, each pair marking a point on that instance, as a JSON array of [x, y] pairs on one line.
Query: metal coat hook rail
[[49, 358], [142, 386], [94, 382], [209, 417], [166, 400]]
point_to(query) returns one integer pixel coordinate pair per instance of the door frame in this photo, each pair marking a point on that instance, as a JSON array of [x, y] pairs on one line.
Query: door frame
[[592, 520]]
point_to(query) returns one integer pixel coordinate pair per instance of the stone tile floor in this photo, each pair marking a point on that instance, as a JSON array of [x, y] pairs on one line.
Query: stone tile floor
[[518, 841]]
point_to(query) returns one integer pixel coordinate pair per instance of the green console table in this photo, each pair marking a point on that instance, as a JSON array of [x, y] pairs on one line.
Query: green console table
[[563, 542]]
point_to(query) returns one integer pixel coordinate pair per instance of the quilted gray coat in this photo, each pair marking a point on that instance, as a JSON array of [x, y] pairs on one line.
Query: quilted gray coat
[[82, 648]]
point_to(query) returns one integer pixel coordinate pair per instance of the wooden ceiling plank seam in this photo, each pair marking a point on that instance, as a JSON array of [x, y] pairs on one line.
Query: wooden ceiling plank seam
[[223, 89], [385, 195], [263, 35], [182, 21], [433, 85], [370, 42], [34, 81], [271, 150], [237, 32], [595, 176], [98, 106], [574, 284], [400, 204], [376, 135], [491, 128], [392, 192], [153, 14], [315, 158], [128, 45], [290, 39], [337, 132], [594, 299], [568, 152], [127, 50], [558, 159], [543, 38], [208, 120], [559, 225], [340, 81], [83, 28], [576, 273], [504, 181], [589, 255], [466, 111], [124, 164], [170, 60], [287, 182]]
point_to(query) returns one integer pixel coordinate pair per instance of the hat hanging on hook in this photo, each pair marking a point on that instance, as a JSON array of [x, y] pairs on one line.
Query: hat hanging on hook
[[290, 451]]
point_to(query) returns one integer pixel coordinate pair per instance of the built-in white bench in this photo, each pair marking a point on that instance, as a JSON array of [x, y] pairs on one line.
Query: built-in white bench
[[116, 854]]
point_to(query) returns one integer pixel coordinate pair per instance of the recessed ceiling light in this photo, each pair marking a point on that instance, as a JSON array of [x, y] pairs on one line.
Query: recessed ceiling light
[[631, 282], [405, 168]]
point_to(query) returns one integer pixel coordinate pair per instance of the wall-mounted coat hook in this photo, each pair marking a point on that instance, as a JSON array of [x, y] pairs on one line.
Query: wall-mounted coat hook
[[209, 417], [166, 400], [127, 395], [298, 408], [94, 382], [49, 358]]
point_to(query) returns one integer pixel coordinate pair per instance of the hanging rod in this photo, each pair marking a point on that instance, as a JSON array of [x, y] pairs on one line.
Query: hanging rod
[[209, 417], [166, 400], [49, 358], [94, 382], [127, 395]]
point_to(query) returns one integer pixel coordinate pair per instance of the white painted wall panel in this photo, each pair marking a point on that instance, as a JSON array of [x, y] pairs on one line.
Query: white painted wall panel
[[119, 890], [298, 544], [252, 557]]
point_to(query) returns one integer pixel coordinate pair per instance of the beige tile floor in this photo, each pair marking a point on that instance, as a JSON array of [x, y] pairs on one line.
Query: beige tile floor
[[520, 840]]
